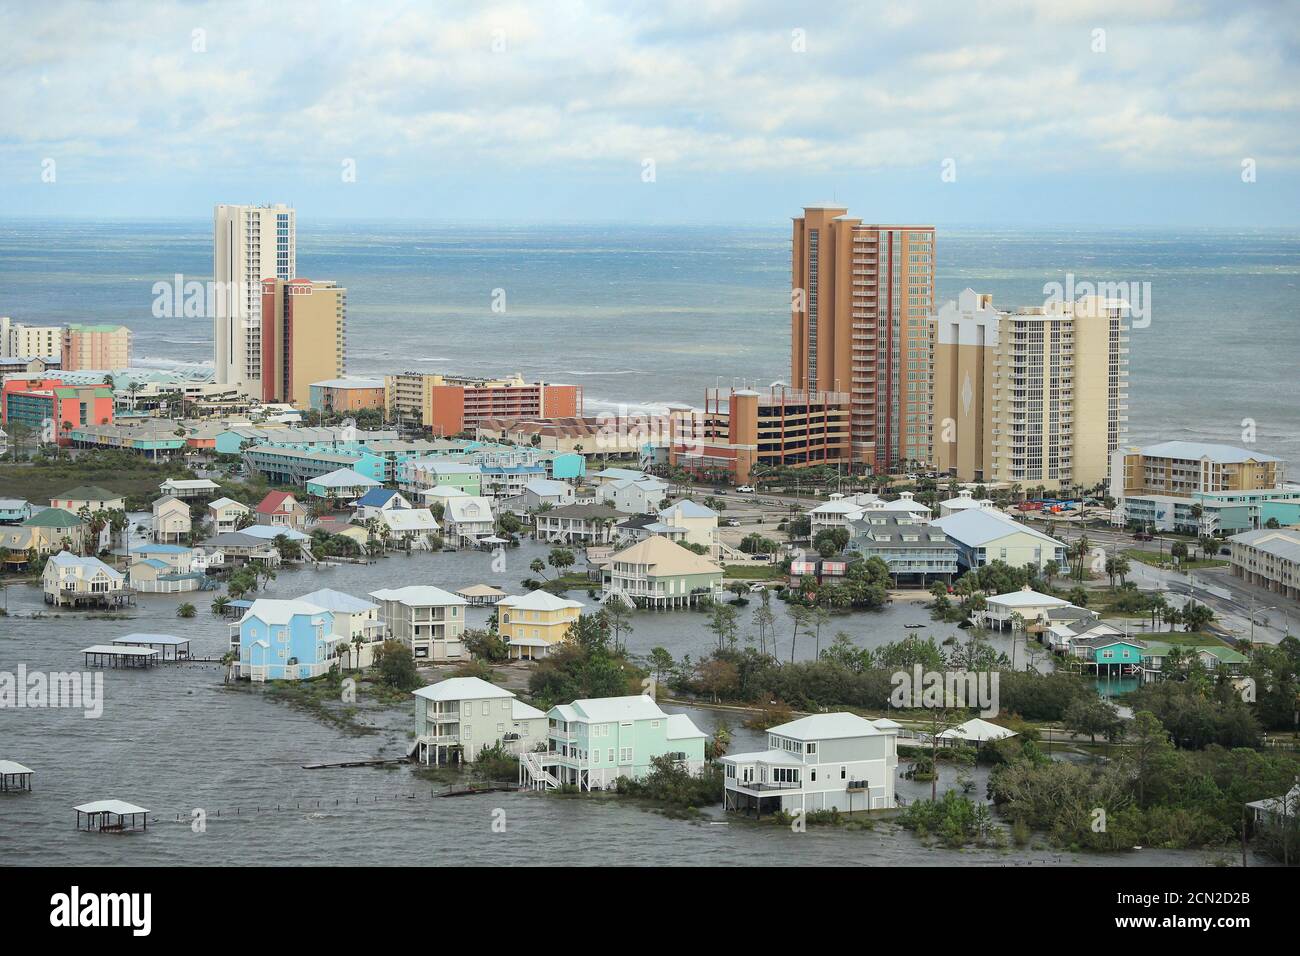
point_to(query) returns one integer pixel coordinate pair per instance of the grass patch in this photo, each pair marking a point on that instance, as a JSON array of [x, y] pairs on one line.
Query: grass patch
[[747, 572], [569, 582], [125, 473], [1157, 559]]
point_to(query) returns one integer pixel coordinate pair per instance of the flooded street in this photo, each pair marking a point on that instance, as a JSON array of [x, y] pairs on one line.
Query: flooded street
[[174, 739]]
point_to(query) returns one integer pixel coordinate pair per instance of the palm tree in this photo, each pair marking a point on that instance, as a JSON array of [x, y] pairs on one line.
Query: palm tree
[[219, 605]]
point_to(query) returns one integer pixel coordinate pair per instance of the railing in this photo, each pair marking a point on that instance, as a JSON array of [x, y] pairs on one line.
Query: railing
[[764, 784]]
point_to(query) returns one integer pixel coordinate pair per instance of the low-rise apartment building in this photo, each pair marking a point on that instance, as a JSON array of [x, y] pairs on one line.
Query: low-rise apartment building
[[1269, 558]]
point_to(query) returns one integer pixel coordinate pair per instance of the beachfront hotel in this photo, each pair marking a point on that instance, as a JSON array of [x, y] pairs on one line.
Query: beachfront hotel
[[19, 340], [861, 296], [1199, 488], [30, 402], [743, 431], [449, 405], [1036, 396], [95, 347], [249, 244]]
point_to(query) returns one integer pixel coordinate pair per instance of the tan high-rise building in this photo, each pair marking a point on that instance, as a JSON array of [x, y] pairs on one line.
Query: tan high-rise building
[[250, 244], [98, 347], [1037, 396], [966, 334], [861, 300], [303, 337]]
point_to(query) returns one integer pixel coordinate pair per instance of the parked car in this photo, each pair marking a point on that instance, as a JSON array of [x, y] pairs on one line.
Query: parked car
[[746, 489], [1142, 536], [733, 522]]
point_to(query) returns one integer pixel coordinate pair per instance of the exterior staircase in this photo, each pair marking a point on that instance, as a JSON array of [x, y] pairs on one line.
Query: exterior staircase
[[534, 775]]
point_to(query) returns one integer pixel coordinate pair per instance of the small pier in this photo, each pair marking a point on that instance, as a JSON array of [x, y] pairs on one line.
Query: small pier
[[375, 762], [471, 790]]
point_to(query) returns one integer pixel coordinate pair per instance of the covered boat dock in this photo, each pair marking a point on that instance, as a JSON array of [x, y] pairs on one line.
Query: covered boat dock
[[119, 655], [14, 777], [169, 647], [111, 816]]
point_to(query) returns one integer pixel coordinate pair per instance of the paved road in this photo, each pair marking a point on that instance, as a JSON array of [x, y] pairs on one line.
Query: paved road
[[1233, 602]]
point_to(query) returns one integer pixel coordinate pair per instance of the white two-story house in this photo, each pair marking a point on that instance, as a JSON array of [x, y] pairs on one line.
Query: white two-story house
[[823, 762]]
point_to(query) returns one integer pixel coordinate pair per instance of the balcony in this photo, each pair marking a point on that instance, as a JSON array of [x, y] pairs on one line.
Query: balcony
[[759, 786]]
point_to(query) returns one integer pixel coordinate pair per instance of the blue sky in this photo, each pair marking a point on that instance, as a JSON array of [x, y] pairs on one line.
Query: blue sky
[[1082, 112]]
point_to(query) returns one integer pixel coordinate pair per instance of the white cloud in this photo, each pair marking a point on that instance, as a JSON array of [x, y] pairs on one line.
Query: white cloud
[[700, 86]]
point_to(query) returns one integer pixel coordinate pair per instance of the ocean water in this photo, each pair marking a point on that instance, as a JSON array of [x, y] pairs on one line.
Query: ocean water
[[640, 315]]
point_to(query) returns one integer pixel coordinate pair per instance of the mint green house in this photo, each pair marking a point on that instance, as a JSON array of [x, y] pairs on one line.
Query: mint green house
[[591, 743], [1115, 654]]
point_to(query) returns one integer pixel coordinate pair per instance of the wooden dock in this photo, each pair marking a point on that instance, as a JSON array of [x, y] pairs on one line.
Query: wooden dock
[[470, 791], [376, 762]]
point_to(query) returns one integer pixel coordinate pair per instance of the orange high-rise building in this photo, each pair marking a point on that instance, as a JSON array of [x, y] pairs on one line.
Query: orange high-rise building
[[303, 337], [861, 296]]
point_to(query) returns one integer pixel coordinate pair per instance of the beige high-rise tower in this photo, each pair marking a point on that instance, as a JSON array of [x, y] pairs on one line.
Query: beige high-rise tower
[[1037, 396], [861, 298], [250, 244]]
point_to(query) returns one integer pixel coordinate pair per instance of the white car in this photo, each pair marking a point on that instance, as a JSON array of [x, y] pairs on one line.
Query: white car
[[745, 490]]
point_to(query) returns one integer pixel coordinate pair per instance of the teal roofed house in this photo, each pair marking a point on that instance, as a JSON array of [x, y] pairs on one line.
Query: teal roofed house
[[592, 743]]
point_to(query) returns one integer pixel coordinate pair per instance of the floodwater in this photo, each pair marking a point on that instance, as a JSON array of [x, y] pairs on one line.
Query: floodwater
[[175, 740]]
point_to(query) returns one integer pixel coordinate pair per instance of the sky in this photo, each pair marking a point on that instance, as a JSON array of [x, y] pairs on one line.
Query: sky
[[1087, 112]]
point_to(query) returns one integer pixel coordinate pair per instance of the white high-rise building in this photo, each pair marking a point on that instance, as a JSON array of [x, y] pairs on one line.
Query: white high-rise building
[[19, 340], [250, 244]]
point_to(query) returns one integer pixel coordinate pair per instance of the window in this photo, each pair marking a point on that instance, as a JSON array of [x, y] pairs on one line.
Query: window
[[624, 755], [487, 708], [810, 748], [843, 773]]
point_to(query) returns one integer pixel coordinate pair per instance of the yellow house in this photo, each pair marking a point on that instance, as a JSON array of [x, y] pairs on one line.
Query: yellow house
[[531, 624]]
